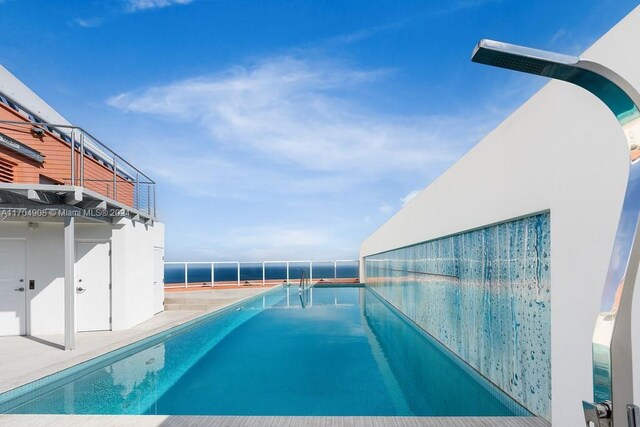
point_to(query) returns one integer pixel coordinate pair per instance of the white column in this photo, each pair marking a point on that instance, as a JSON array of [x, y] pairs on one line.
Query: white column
[[69, 283]]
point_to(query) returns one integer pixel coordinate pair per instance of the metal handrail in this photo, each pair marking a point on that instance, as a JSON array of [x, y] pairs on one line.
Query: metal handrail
[[44, 126], [305, 283], [84, 143], [612, 349]]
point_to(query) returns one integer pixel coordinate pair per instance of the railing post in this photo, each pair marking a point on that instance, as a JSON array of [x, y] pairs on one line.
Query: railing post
[[186, 274], [82, 160], [73, 156], [153, 187], [264, 277], [335, 269], [311, 271], [115, 178], [213, 277], [238, 274], [136, 193], [287, 272]]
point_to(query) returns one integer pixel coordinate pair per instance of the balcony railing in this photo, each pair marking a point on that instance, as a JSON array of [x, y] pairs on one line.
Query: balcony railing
[[221, 273], [93, 165]]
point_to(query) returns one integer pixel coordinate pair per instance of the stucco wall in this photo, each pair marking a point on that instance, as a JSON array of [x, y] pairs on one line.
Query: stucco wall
[[562, 151], [132, 246]]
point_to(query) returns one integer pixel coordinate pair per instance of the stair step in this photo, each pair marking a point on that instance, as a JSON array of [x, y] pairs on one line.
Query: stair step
[[198, 301], [198, 307]]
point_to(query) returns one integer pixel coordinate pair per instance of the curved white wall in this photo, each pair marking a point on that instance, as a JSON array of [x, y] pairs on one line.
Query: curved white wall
[[562, 151]]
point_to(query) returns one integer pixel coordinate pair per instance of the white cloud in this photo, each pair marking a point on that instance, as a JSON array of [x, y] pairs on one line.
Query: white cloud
[[409, 197], [385, 208], [290, 142], [300, 113], [136, 5], [88, 22]]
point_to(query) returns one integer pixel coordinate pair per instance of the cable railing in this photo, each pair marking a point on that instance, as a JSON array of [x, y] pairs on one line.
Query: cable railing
[[236, 273], [89, 163]]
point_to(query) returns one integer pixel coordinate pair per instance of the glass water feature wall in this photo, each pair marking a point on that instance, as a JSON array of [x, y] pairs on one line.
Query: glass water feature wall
[[485, 294]]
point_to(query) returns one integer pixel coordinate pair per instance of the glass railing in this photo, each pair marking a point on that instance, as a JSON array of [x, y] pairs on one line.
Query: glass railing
[[221, 273]]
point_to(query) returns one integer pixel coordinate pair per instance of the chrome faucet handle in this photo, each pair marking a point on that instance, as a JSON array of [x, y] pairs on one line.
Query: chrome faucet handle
[[597, 414]]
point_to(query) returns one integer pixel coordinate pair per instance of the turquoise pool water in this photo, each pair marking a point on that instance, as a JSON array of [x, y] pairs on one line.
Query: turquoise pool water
[[337, 351]]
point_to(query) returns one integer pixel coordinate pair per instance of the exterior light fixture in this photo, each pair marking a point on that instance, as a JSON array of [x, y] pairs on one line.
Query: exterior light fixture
[[612, 360]]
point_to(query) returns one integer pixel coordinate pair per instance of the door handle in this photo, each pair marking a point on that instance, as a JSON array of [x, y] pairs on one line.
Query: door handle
[[20, 289], [80, 289]]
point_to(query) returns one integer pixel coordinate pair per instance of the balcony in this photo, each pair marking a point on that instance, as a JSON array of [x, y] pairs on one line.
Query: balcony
[[38, 157]]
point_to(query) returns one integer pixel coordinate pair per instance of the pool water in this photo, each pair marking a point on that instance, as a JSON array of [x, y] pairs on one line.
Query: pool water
[[333, 351]]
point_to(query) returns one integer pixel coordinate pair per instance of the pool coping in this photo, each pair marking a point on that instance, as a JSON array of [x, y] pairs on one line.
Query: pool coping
[[18, 395], [258, 421]]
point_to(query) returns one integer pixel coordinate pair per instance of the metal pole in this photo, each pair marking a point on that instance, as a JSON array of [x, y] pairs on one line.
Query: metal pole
[[335, 269], [115, 178], [153, 187], [136, 201], [287, 271], [311, 271], [263, 275], [69, 282], [186, 274], [73, 157], [238, 274], [82, 160]]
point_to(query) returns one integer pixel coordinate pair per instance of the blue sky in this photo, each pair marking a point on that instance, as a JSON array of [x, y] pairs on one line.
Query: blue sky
[[285, 129]]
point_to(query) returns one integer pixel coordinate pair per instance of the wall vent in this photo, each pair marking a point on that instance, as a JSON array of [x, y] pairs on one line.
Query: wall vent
[[7, 170]]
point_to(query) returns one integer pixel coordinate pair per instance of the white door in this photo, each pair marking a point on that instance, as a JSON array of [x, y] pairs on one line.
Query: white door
[[13, 303], [93, 286], [158, 280]]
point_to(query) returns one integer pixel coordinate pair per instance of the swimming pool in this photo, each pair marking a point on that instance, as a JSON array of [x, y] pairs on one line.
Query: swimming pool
[[333, 351]]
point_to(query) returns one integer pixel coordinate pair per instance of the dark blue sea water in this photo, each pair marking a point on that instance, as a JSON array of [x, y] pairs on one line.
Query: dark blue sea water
[[253, 271]]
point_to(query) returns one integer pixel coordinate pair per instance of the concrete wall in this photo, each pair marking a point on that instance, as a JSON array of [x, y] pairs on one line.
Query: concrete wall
[[562, 151], [132, 247]]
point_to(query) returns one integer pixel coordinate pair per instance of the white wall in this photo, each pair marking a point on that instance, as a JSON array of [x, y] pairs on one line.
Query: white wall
[[562, 151], [131, 262]]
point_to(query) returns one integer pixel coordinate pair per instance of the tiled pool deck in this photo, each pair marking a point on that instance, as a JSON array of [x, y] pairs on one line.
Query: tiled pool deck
[[24, 359]]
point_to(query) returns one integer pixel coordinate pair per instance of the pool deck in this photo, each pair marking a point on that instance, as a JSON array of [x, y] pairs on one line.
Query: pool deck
[[26, 358], [160, 420]]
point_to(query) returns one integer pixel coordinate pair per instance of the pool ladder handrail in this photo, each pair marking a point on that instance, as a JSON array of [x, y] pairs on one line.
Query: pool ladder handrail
[[305, 282]]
